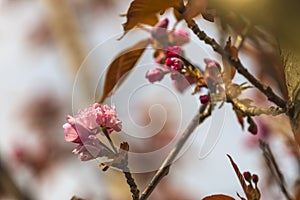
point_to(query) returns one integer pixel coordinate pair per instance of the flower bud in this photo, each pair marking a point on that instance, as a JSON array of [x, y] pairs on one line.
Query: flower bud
[[173, 51], [204, 99], [159, 31], [154, 75], [255, 178], [179, 37], [247, 176]]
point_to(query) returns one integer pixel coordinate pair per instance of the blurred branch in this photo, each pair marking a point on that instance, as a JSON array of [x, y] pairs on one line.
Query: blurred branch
[[236, 63], [273, 166], [9, 187], [66, 31], [76, 198], [198, 119], [241, 37]]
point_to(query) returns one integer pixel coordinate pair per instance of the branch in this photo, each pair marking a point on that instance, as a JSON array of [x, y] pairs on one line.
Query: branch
[[273, 166], [130, 181], [236, 63], [255, 111], [204, 112]]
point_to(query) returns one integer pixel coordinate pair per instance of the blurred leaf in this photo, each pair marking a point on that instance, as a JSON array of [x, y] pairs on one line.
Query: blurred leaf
[[121, 66], [145, 11], [228, 69], [194, 8], [292, 74], [218, 197]]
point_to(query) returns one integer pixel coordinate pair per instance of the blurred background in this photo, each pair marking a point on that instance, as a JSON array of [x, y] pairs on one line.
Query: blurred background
[[53, 55]]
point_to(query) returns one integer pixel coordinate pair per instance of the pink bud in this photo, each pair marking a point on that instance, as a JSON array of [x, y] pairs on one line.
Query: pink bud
[[154, 75], [204, 99], [160, 29], [173, 51], [175, 63], [180, 37], [169, 62]]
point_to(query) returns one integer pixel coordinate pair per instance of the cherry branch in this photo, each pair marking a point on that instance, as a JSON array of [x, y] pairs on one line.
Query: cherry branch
[[199, 118], [274, 168], [130, 181], [236, 63], [255, 111]]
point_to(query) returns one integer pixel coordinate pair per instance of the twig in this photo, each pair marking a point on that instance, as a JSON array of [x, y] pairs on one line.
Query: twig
[[236, 63], [204, 112], [130, 181], [255, 111], [273, 166], [121, 162]]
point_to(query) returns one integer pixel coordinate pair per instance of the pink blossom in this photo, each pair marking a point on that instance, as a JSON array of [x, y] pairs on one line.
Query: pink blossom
[[154, 75], [74, 132], [83, 127], [179, 37], [107, 117], [91, 149], [159, 31]]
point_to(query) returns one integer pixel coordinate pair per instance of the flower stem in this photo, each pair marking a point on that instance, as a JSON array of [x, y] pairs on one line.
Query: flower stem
[[104, 130]]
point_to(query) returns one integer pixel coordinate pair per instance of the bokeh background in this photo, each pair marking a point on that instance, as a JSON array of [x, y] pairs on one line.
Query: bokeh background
[[53, 56]]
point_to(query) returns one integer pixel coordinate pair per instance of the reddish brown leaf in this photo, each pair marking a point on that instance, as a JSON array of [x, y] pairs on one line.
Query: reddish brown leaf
[[240, 117], [121, 66], [218, 197], [145, 11], [194, 8], [252, 126], [239, 174], [229, 70]]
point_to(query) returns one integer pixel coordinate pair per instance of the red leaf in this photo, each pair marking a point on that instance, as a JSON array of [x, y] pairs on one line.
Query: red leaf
[[218, 197], [145, 11], [229, 70], [238, 173], [194, 8], [121, 66], [240, 117]]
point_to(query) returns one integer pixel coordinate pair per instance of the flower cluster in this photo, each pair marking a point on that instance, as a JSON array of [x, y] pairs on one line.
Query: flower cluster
[[168, 45], [83, 128], [169, 56]]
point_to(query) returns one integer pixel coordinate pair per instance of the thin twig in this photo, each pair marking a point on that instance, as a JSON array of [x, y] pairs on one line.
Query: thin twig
[[273, 166], [236, 63], [255, 111], [204, 112], [130, 181]]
